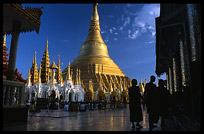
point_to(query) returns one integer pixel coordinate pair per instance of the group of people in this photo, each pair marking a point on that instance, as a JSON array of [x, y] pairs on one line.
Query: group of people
[[155, 99]]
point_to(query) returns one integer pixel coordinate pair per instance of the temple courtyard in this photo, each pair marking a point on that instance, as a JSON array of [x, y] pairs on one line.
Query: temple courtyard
[[109, 119]]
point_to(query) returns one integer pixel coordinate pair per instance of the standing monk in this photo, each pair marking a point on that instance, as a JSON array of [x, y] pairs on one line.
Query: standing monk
[[151, 100], [135, 104], [164, 102]]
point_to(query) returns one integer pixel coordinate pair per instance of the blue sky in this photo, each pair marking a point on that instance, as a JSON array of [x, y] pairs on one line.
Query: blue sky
[[128, 30]]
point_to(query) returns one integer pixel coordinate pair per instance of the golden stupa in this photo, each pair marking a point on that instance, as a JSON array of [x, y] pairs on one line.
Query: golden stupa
[[98, 68]]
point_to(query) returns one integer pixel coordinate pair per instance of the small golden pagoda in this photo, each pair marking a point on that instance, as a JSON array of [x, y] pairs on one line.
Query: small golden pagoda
[[96, 66], [53, 67], [46, 73], [34, 71]]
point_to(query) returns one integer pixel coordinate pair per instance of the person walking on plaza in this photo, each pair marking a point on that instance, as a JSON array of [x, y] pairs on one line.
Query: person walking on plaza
[[151, 100], [164, 103], [135, 104]]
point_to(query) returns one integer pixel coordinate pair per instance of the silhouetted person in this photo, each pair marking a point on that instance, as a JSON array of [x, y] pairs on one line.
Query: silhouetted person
[[151, 100], [164, 104], [135, 104]]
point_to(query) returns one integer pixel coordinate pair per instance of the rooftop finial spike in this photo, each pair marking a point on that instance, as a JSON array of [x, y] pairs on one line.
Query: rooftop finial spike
[[95, 6], [47, 44], [95, 12]]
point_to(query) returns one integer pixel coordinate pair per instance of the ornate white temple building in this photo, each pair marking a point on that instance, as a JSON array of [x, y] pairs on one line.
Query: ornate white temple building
[[40, 85]]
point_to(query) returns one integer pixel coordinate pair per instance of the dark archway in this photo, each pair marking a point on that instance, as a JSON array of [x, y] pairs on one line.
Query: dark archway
[[70, 97]]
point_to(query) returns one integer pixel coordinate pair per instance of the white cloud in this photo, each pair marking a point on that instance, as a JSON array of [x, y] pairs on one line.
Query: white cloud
[[141, 24], [106, 41], [127, 21], [145, 20], [129, 31], [114, 28], [150, 42], [135, 34], [121, 28], [115, 39], [111, 30], [153, 33], [116, 33], [102, 32], [148, 13]]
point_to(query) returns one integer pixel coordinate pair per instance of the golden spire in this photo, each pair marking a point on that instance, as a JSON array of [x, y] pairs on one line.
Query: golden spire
[[68, 72], [4, 41], [94, 52], [45, 64], [95, 12], [59, 73], [94, 44], [34, 71], [58, 60], [29, 77], [47, 45], [39, 74], [35, 57]]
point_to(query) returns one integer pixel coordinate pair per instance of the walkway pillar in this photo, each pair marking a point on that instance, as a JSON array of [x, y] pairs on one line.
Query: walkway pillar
[[13, 50]]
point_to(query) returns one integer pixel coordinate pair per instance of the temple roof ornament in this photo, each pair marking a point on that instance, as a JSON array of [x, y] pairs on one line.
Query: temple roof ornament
[[95, 13], [28, 17]]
